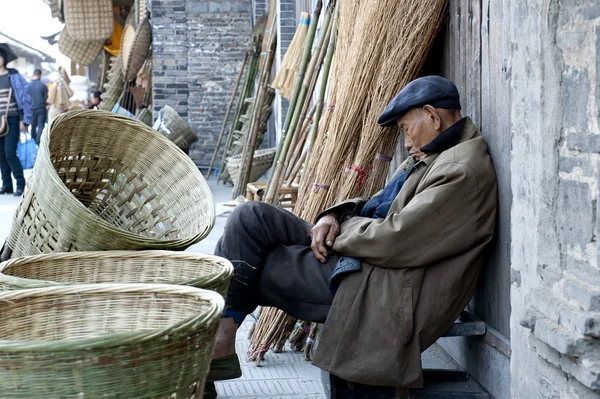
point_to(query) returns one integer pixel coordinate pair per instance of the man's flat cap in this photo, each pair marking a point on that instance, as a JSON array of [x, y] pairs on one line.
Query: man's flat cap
[[433, 90]]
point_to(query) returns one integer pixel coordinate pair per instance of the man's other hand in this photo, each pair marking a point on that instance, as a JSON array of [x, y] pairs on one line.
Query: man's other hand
[[323, 236]]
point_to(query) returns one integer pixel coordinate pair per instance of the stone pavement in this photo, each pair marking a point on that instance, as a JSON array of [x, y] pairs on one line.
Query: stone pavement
[[281, 375]]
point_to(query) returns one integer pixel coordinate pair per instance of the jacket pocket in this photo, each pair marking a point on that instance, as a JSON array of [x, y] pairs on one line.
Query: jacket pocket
[[407, 304]]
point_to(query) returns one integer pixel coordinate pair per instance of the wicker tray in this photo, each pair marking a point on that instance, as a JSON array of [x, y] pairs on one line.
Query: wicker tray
[[106, 341], [107, 182], [83, 52], [197, 270], [89, 20], [135, 46], [261, 163]]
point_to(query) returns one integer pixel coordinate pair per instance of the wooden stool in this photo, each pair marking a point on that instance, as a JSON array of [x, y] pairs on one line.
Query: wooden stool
[[287, 195]]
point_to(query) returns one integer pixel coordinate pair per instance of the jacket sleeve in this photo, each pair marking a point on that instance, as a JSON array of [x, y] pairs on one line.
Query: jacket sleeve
[[438, 222], [23, 98], [345, 210]]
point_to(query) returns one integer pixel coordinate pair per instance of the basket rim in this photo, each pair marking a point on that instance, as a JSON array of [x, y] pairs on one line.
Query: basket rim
[[44, 158], [225, 272], [217, 305]]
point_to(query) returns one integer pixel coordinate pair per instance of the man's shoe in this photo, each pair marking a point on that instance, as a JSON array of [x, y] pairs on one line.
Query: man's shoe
[[6, 190], [224, 368], [19, 192]]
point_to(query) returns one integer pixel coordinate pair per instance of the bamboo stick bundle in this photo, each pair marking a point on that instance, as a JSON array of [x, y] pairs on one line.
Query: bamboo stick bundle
[[251, 142], [381, 163], [298, 109], [247, 92], [226, 118], [268, 32], [310, 341], [299, 141], [407, 45], [298, 336], [299, 79], [288, 71], [283, 335]]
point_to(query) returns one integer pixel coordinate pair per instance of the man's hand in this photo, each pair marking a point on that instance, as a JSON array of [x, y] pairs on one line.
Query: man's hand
[[22, 127], [323, 236]]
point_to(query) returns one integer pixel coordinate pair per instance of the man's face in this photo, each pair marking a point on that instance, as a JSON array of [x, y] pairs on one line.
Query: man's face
[[418, 129]]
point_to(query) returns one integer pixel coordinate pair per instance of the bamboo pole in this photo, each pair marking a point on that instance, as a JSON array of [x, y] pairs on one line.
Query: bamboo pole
[[229, 106], [246, 93], [314, 21], [298, 142], [275, 181], [248, 154]]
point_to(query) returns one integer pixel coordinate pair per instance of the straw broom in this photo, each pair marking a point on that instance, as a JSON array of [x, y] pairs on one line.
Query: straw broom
[[296, 111], [284, 80], [420, 23]]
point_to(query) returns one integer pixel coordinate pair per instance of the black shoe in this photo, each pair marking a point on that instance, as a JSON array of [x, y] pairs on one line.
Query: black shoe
[[19, 192], [6, 190]]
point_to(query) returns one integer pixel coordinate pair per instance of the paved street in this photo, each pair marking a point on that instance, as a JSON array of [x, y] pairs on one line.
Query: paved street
[[281, 375]]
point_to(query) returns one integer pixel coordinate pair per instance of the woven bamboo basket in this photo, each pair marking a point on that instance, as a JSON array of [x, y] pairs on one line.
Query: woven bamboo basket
[[197, 270], [89, 20], [81, 51], [135, 46], [151, 341], [107, 182], [261, 163], [172, 126]]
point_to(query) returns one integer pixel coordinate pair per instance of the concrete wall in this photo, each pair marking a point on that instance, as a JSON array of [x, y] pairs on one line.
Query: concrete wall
[[554, 113], [198, 48]]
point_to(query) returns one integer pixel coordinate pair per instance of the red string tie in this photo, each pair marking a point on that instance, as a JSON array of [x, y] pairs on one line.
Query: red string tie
[[362, 175]]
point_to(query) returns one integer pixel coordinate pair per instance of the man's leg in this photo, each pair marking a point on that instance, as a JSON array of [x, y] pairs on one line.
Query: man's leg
[[34, 123], [11, 140], [41, 125], [5, 168], [274, 265]]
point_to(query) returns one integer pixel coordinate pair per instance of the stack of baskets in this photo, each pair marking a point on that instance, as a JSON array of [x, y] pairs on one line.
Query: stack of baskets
[[106, 322], [172, 126], [261, 163]]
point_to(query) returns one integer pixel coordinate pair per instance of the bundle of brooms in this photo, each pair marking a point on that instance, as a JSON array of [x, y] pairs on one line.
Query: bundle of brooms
[[380, 48]]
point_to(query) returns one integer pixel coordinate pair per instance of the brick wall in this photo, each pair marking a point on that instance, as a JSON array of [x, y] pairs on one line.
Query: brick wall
[[555, 293], [198, 47]]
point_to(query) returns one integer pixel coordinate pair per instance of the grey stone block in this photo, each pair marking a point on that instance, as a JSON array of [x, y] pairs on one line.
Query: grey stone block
[[197, 6], [575, 213], [585, 295], [569, 164], [576, 86], [584, 142], [214, 6]]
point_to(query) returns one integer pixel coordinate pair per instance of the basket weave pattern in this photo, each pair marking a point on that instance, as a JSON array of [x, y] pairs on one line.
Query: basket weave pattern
[[261, 163], [107, 182], [197, 270], [106, 341], [89, 20], [81, 51], [175, 128]]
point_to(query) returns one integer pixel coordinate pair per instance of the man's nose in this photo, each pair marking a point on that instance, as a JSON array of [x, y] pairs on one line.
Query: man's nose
[[408, 143]]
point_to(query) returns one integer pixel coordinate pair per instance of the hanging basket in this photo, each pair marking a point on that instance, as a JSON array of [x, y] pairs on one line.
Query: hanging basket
[[89, 20], [107, 182], [150, 341], [135, 46], [197, 270], [261, 163], [172, 126], [83, 52]]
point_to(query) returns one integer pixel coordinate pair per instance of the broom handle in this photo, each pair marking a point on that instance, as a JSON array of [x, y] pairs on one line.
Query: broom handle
[[314, 21], [298, 142], [229, 106], [304, 98], [322, 90]]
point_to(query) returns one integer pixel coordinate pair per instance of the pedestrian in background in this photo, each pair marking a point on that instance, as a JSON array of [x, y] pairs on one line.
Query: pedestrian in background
[[39, 102], [14, 96], [96, 100]]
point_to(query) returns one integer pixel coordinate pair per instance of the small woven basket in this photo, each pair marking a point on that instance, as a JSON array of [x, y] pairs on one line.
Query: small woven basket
[[107, 182], [197, 270], [135, 46], [150, 341], [83, 52], [172, 126], [261, 163], [89, 20]]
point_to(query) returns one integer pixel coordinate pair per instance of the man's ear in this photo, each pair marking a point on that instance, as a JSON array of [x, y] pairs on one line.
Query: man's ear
[[434, 116]]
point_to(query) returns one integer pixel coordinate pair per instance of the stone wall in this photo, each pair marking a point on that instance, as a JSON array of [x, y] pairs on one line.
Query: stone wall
[[555, 293], [198, 47]]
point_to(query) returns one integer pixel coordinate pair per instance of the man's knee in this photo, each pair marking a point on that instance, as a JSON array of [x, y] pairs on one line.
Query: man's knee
[[247, 214]]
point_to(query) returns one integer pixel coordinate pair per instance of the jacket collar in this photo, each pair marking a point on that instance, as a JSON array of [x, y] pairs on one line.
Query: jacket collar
[[461, 131]]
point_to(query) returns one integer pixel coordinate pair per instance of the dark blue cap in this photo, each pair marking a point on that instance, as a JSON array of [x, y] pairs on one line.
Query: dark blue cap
[[433, 90]]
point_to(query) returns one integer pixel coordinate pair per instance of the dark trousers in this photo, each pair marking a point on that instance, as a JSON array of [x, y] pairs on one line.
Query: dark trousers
[[9, 162], [38, 121], [274, 264]]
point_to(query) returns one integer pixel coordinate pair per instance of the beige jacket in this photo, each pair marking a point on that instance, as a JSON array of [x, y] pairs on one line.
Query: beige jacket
[[419, 267]]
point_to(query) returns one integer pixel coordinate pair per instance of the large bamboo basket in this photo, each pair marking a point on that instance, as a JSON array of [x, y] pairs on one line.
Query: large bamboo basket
[[83, 52], [198, 270], [172, 126], [89, 20], [151, 341], [107, 182], [135, 46], [261, 163]]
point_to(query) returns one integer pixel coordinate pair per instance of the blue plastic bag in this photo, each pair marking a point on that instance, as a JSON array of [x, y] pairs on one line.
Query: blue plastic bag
[[27, 151]]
